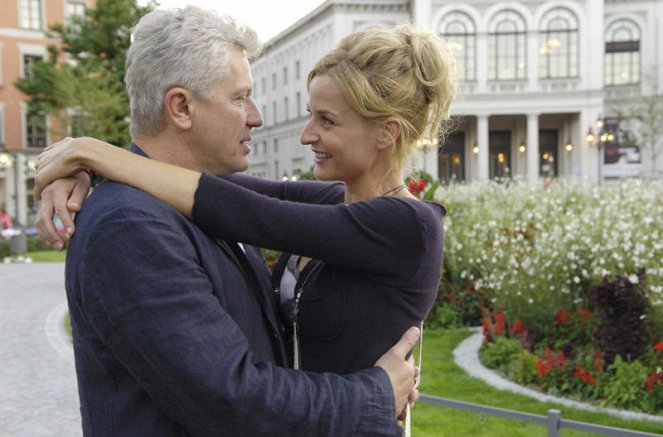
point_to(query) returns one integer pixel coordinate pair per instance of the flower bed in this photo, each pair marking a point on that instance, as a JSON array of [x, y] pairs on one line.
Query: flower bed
[[568, 280]]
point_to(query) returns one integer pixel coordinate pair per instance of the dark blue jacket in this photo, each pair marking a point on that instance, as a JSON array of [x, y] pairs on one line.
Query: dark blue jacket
[[175, 335]]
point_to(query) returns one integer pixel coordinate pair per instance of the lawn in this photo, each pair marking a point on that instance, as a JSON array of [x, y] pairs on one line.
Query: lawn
[[47, 256], [442, 378]]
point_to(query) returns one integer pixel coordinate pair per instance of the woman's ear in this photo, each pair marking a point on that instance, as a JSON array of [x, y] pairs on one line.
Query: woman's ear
[[178, 107], [390, 130]]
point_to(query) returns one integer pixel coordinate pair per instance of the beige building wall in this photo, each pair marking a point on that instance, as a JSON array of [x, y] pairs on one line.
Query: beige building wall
[[23, 27]]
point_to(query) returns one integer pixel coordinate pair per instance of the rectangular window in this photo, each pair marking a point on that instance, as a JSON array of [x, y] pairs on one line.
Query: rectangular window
[[273, 81], [297, 70], [30, 14], [285, 107], [263, 85], [77, 123], [299, 104], [274, 112], [285, 75], [1, 64], [29, 62], [35, 129], [2, 131], [74, 9]]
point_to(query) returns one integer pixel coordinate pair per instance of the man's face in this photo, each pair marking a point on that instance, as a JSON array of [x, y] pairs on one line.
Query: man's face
[[222, 123]]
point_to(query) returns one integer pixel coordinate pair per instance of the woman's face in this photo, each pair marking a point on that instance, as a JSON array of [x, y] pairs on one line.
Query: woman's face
[[344, 143]]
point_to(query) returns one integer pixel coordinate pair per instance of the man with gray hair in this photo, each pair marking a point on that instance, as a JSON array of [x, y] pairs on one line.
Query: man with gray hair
[[176, 333]]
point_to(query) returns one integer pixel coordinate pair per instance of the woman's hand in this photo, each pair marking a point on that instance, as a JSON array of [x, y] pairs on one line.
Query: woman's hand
[[60, 160], [61, 198]]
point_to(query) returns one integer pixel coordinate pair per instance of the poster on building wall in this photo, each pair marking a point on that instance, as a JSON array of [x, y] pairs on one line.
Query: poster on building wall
[[620, 162], [621, 156]]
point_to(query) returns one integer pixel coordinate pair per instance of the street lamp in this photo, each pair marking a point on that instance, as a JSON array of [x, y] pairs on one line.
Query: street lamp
[[5, 157], [599, 140]]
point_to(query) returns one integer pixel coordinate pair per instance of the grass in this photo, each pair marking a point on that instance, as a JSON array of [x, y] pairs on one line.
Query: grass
[[47, 256], [443, 378]]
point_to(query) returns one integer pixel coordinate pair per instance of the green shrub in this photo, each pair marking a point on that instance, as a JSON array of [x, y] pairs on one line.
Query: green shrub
[[443, 315], [626, 388], [500, 353], [4, 248]]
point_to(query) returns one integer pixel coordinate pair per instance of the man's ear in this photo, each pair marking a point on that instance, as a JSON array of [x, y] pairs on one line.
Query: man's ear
[[178, 107], [390, 130]]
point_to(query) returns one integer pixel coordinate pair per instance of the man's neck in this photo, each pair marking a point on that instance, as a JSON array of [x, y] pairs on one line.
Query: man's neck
[[165, 148]]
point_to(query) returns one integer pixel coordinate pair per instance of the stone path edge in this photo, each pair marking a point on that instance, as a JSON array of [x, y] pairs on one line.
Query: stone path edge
[[56, 334], [466, 356]]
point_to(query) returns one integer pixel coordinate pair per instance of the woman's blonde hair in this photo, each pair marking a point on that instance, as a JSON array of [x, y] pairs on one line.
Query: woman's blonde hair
[[400, 72]]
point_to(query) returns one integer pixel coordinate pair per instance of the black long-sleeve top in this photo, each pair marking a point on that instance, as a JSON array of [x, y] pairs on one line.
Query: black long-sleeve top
[[376, 263]]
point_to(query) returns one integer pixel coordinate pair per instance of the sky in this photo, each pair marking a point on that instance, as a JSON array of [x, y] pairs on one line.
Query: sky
[[267, 17]]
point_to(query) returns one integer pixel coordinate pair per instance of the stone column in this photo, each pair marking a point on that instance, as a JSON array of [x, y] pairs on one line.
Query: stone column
[[532, 148]]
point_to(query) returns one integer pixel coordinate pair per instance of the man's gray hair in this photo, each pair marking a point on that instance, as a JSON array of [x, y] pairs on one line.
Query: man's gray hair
[[180, 47]]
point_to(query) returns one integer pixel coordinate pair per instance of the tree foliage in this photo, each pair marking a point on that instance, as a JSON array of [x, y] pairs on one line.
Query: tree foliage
[[82, 82]]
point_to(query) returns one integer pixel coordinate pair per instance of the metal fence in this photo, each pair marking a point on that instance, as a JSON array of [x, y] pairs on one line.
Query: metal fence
[[552, 421]]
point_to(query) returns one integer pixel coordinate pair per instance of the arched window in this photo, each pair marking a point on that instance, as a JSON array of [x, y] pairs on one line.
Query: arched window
[[459, 31], [558, 44], [507, 46], [622, 53]]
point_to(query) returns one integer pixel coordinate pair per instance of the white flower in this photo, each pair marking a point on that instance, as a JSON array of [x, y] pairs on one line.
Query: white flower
[[576, 280]]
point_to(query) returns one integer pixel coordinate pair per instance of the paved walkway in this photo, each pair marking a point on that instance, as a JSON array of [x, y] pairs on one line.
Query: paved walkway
[[38, 393]]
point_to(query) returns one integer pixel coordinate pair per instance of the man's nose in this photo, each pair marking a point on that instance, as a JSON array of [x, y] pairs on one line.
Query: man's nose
[[254, 118]]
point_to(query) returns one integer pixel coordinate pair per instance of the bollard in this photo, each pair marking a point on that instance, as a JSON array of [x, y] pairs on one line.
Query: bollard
[[18, 244], [553, 423]]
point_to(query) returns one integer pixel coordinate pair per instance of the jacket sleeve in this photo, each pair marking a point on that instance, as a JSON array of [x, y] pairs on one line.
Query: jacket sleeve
[[387, 235], [150, 301]]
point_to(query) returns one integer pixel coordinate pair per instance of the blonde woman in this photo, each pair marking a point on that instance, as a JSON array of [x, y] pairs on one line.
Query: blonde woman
[[362, 259]]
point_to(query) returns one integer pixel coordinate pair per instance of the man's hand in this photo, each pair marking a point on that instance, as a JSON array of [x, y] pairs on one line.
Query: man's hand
[[62, 198], [402, 372]]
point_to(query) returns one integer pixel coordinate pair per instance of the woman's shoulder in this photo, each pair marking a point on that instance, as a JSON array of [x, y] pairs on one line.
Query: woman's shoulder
[[424, 210]]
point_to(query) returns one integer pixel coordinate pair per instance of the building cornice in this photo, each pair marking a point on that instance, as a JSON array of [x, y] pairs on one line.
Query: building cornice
[[319, 13]]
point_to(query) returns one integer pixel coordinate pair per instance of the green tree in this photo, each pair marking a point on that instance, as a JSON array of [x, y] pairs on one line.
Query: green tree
[[82, 82]]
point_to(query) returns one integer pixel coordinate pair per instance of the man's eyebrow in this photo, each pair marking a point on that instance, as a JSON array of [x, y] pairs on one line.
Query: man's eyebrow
[[244, 90]]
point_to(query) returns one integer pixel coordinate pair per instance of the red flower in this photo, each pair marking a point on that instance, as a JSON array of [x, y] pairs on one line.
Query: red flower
[[416, 186], [517, 326], [499, 323], [584, 375], [549, 358], [559, 362], [659, 346], [654, 378], [598, 361], [541, 368], [562, 317], [583, 315]]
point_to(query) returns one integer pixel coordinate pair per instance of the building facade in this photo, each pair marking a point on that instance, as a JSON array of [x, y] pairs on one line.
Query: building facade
[[23, 41], [542, 84]]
